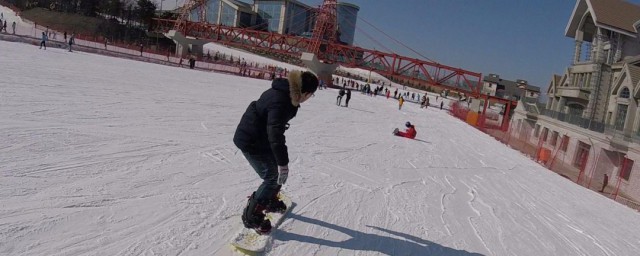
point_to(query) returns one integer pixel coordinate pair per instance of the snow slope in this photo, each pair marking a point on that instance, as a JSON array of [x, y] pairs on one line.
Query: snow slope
[[105, 156]]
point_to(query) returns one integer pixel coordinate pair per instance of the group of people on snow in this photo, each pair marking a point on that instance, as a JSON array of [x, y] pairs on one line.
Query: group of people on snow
[[343, 91], [3, 24], [45, 39]]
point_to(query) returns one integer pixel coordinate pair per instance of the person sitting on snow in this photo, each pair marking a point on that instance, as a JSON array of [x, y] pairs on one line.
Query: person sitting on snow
[[409, 133]]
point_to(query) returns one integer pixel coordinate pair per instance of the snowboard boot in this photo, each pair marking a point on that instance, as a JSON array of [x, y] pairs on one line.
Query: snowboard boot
[[254, 218], [276, 205]]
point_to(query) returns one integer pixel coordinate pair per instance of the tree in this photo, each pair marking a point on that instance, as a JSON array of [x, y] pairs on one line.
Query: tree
[[146, 12], [112, 8], [89, 8]]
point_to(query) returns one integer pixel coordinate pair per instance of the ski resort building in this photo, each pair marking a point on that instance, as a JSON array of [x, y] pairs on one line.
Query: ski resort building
[[591, 122], [289, 17], [493, 85]]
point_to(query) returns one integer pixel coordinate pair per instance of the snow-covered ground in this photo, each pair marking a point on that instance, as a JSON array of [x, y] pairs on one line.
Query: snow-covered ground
[[105, 156]]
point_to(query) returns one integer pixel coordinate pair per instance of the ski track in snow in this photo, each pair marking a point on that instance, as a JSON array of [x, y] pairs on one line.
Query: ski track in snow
[[98, 159]]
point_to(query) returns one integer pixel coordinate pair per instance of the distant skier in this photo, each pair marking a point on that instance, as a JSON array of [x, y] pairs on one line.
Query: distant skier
[[72, 41], [192, 62], [605, 182], [348, 98], [339, 98], [400, 102], [13, 25], [423, 102], [44, 41], [409, 133], [441, 104], [260, 137]]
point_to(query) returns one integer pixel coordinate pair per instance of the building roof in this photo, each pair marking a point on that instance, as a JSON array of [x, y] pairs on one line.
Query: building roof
[[555, 81], [297, 2], [634, 74], [239, 5], [617, 15]]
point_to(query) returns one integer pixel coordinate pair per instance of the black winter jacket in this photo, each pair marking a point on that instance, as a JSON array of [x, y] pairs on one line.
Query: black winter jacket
[[261, 129]]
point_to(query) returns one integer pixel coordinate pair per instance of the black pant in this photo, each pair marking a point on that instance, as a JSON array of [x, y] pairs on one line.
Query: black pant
[[338, 100], [42, 43], [347, 102], [266, 167]]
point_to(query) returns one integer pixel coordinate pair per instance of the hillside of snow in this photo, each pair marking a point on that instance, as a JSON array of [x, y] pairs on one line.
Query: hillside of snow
[[106, 156]]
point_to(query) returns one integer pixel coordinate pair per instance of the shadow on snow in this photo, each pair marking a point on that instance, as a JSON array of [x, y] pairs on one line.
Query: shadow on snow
[[397, 244]]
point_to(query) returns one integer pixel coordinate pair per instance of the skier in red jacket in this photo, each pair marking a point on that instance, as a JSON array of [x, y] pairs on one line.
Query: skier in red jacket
[[409, 133]]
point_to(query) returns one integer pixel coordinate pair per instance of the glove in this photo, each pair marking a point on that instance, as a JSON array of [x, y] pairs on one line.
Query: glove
[[283, 173]]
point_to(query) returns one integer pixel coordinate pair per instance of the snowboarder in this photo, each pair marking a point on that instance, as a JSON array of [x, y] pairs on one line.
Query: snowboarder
[[44, 41], [441, 104], [409, 133], [348, 98], [423, 101], [13, 25], [260, 137], [400, 102], [339, 98]]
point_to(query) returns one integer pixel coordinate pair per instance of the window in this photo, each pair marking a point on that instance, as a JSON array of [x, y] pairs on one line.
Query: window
[[624, 93], [537, 131], [212, 11], [621, 116], [554, 138], [228, 15], [582, 155], [270, 15], [625, 171], [545, 132], [565, 143]]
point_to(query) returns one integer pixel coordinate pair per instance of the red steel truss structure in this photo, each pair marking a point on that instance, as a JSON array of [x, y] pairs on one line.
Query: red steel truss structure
[[324, 45]]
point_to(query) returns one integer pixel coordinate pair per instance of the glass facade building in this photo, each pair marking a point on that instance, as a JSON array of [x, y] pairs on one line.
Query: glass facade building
[[297, 19], [226, 12], [347, 16], [269, 14], [227, 15], [289, 17]]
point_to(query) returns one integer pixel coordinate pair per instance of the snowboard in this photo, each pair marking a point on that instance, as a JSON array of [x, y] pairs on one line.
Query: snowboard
[[248, 241], [395, 132]]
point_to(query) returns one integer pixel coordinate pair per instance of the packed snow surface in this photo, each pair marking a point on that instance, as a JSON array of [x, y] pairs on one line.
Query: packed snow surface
[[106, 156]]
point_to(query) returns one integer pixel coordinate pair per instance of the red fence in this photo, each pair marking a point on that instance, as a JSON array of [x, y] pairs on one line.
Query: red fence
[[550, 151]]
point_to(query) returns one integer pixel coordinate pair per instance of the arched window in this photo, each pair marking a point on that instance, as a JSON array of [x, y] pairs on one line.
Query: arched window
[[624, 93]]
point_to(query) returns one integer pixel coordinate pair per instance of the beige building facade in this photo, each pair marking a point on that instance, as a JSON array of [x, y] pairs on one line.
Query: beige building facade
[[591, 121]]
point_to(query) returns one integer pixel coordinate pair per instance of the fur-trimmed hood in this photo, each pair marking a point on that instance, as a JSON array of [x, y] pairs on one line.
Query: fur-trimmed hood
[[293, 84], [295, 87]]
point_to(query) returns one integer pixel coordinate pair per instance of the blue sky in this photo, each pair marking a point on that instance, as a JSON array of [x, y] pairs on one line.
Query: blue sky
[[516, 39]]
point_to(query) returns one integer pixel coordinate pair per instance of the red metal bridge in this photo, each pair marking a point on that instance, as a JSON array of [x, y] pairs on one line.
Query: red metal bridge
[[324, 44]]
